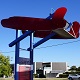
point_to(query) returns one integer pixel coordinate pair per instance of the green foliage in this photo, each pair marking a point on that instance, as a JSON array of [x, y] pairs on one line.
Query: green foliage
[[39, 76], [63, 75], [35, 75], [78, 69], [5, 68], [42, 76], [77, 72], [73, 68], [66, 74]]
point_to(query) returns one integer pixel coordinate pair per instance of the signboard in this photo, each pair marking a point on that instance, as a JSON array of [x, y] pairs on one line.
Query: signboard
[[24, 72], [24, 61]]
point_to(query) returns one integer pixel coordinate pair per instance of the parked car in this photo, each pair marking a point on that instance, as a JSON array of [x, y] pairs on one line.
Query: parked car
[[74, 77]]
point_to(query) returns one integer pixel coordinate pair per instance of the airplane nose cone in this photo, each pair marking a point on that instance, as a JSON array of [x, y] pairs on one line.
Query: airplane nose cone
[[8, 23], [3, 22]]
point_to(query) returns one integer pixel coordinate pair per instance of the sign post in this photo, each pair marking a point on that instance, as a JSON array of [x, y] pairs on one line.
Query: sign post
[[31, 56], [17, 56], [24, 68]]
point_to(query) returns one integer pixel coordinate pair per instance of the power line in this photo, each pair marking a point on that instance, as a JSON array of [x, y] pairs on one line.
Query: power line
[[7, 52], [59, 44], [21, 49]]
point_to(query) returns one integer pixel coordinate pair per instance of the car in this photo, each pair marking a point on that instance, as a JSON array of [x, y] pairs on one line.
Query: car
[[74, 77]]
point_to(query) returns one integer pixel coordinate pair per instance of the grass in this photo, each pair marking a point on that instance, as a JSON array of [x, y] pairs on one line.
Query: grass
[[52, 79], [6, 79], [39, 79]]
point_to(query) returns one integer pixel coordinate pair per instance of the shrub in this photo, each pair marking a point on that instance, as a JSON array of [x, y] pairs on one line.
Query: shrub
[[66, 74], [42, 76], [35, 76], [63, 75]]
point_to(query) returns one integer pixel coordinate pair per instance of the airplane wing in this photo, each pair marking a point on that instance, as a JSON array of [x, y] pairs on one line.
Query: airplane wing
[[61, 33]]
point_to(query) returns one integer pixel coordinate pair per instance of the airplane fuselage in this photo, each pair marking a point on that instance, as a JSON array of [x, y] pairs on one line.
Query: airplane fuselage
[[28, 23]]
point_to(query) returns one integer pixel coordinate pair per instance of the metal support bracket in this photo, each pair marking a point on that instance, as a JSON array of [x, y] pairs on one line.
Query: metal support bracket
[[20, 38], [42, 41]]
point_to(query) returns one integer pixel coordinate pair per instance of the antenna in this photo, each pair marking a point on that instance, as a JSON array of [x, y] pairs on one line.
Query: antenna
[[52, 10]]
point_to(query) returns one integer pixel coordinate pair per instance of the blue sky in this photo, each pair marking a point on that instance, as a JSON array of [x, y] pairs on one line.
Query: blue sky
[[69, 53]]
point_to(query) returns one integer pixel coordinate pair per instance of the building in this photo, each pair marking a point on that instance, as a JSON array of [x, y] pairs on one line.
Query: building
[[50, 69]]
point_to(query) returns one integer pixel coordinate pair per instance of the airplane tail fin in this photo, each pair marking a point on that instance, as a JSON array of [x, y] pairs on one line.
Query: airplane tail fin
[[58, 17], [59, 13], [74, 30]]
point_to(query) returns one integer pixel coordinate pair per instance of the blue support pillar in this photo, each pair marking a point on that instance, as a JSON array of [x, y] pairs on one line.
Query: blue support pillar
[[16, 57], [31, 56]]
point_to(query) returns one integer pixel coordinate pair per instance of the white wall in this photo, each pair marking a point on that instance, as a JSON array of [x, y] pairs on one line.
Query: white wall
[[47, 70]]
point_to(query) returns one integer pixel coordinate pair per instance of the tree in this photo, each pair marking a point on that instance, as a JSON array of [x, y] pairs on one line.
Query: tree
[[5, 68], [78, 69], [73, 68]]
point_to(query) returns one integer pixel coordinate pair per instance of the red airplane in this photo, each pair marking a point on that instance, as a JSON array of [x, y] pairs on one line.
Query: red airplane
[[44, 27]]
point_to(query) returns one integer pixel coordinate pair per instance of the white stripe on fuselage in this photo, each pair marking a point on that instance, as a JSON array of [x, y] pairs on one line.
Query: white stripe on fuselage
[[66, 26]]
